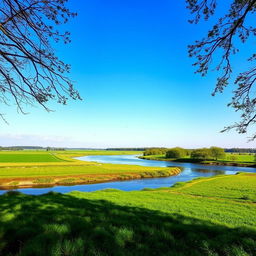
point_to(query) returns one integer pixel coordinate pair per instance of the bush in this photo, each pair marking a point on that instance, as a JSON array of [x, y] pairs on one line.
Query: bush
[[201, 153], [217, 152], [155, 151], [176, 153]]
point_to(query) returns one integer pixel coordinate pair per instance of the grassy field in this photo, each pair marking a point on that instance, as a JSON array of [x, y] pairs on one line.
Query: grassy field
[[28, 169], [54, 156], [11, 157], [208, 216], [240, 157]]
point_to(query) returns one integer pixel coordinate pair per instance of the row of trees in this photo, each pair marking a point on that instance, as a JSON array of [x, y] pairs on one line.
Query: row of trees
[[155, 151], [178, 152], [208, 153], [241, 150], [126, 149], [55, 149]]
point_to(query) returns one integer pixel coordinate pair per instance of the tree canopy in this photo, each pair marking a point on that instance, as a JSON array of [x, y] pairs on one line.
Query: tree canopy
[[176, 152], [217, 47], [201, 154], [30, 72], [217, 152], [155, 151]]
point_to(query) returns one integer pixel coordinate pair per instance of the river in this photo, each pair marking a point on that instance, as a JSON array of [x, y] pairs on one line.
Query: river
[[189, 172]]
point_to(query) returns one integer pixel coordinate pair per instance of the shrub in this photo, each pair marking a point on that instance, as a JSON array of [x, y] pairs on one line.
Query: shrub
[[217, 152], [176, 153], [201, 153], [155, 151]]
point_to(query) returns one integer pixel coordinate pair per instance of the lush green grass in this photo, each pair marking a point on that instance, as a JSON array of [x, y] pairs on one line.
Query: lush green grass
[[54, 156], [103, 152], [240, 157], [74, 170], [186, 220], [12, 157], [235, 187]]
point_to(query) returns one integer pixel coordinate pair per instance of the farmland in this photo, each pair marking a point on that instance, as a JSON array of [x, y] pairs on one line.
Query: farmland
[[187, 219], [54, 156], [10, 157]]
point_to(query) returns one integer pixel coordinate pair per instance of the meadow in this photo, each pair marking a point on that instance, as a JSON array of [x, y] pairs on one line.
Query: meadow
[[30, 169], [40, 156], [13, 157], [208, 216]]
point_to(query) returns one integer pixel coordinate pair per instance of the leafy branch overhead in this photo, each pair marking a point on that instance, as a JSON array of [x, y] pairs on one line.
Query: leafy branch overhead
[[226, 36], [29, 70]]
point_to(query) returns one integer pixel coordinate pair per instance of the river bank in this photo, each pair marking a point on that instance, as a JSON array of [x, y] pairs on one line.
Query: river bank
[[97, 176], [196, 161]]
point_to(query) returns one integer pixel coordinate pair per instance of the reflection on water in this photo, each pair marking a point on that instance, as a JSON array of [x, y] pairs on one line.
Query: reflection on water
[[189, 171]]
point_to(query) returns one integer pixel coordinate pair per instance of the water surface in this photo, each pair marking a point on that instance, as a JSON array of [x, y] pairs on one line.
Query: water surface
[[189, 172]]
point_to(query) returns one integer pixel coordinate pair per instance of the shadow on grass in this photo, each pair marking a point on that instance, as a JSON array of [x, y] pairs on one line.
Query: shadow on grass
[[58, 224]]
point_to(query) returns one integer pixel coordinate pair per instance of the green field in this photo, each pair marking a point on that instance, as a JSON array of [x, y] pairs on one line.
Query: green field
[[45, 156], [209, 216], [28, 157], [74, 170], [240, 157]]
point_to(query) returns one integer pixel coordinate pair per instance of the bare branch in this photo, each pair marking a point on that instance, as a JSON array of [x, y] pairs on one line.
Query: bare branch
[[29, 70], [221, 39]]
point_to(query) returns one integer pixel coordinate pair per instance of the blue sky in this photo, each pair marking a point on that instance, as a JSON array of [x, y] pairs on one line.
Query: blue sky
[[130, 63]]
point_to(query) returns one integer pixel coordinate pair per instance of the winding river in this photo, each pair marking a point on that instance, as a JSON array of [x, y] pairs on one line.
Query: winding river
[[189, 172]]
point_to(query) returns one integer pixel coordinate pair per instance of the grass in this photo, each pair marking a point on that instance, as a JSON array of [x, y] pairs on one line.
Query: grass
[[236, 187], [240, 157], [75, 170], [12, 157], [186, 220], [52, 158]]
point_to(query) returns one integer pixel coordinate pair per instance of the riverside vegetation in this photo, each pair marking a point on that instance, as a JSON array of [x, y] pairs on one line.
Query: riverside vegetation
[[37, 168], [208, 216], [212, 155]]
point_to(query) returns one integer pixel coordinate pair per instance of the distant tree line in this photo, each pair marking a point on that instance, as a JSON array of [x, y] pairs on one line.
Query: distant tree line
[[178, 152], [240, 150], [15, 148], [155, 151], [20, 147], [55, 149], [208, 153], [11, 148], [126, 149]]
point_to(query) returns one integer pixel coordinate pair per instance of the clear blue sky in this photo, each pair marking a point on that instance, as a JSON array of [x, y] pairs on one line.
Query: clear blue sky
[[130, 63]]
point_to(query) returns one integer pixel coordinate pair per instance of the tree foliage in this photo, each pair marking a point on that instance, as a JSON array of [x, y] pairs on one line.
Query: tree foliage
[[222, 41], [29, 71], [176, 153], [217, 152], [208, 153], [201, 154], [155, 151]]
